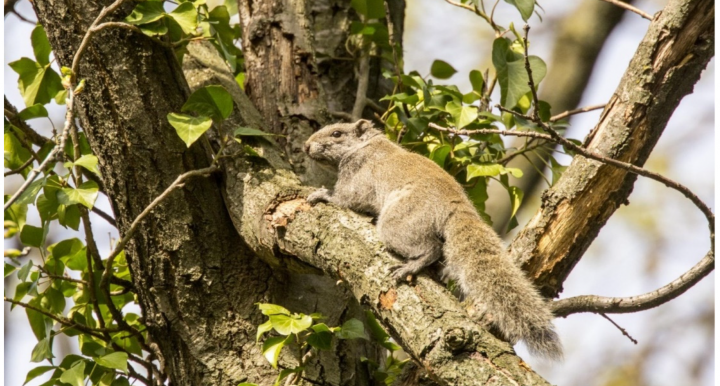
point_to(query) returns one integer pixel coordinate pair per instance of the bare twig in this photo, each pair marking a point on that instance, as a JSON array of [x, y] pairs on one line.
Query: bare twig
[[50, 157], [12, 115], [629, 7], [96, 332], [91, 31], [568, 113], [104, 216], [620, 305], [624, 332], [21, 167], [362, 87], [342, 115]]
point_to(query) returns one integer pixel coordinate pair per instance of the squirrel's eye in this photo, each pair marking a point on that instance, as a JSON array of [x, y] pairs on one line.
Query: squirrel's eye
[[336, 134]]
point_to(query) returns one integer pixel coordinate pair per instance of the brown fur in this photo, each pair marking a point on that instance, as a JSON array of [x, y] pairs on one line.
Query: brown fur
[[423, 214]]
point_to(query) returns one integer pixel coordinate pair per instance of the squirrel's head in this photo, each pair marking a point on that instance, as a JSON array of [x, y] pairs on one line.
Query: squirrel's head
[[331, 143]]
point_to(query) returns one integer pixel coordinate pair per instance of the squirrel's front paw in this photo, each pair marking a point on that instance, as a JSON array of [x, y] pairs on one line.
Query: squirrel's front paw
[[320, 195]]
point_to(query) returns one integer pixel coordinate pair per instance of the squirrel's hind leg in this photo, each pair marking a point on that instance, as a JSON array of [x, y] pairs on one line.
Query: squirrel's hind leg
[[411, 238]]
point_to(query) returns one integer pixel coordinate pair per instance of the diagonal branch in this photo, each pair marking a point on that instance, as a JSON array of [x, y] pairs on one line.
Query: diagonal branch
[[629, 7]]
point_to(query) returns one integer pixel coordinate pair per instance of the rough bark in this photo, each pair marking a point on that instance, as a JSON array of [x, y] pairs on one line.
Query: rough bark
[[301, 46], [581, 37], [668, 62]]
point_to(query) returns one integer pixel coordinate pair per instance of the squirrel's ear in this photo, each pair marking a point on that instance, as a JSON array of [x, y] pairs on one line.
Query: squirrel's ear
[[362, 126]]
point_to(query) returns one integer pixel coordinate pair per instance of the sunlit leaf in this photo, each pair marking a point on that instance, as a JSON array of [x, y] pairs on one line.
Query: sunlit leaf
[[117, 360], [272, 347], [292, 324], [41, 45], [189, 128], [85, 194]]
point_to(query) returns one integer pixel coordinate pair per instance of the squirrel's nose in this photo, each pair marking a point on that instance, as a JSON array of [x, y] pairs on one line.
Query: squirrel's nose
[[306, 147]]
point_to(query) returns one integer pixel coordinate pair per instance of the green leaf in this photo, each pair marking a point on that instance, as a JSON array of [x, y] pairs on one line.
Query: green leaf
[[483, 170], [146, 12], [285, 372], [478, 195], [39, 323], [441, 69], [68, 216], [517, 173], [210, 101], [41, 45], [76, 374], [249, 132], [439, 154], [42, 351], [65, 248], [286, 325], [76, 261], [462, 115], [25, 271], [272, 309], [36, 372], [272, 346], [477, 81], [263, 328], [37, 83], [352, 329], [28, 196], [9, 269], [32, 112], [557, 170], [526, 7], [89, 162], [85, 194], [516, 197], [376, 330], [186, 17], [127, 341], [55, 299], [32, 236], [155, 28], [320, 340], [371, 9], [517, 84], [15, 153], [120, 381], [117, 360], [189, 128]]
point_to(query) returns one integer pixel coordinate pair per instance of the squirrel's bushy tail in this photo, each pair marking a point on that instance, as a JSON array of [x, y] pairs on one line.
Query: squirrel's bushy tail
[[496, 286]]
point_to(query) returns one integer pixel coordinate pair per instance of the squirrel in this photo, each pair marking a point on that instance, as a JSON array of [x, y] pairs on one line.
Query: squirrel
[[423, 214]]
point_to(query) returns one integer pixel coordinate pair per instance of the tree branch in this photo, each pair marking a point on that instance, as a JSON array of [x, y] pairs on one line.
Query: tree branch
[[568, 113], [621, 305], [628, 7]]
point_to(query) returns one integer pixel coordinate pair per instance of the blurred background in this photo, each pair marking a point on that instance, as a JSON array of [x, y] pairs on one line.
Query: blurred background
[[645, 245]]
